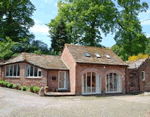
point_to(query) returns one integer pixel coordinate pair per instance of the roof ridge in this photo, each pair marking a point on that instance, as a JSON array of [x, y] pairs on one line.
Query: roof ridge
[[43, 54]]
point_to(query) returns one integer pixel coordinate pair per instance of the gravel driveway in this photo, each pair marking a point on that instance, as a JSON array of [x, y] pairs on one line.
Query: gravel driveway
[[15, 103]]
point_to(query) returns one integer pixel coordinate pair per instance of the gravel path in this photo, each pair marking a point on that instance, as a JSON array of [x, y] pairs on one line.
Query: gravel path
[[15, 103]]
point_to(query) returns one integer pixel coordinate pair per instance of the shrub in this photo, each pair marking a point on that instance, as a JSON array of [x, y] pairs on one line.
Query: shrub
[[18, 86], [28, 89], [36, 89], [14, 86], [24, 88], [1, 82], [1, 79], [5, 83], [31, 88], [10, 85]]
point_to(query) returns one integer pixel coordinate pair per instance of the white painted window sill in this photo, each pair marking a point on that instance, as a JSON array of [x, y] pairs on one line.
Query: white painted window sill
[[34, 77], [12, 76]]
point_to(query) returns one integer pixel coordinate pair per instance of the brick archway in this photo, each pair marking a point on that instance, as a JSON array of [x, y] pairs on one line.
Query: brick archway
[[91, 70], [114, 71]]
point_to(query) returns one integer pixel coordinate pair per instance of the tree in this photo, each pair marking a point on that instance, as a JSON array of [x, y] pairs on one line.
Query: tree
[[38, 46], [129, 35], [15, 19], [59, 37], [6, 49], [86, 19], [148, 47]]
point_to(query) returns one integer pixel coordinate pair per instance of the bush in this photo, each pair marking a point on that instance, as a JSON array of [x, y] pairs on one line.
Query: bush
[[18, 86], [5, 83], [1, 82], [10, 85], [14, 86], [36, 89], [24, 88], [1, 79], [31, 88]]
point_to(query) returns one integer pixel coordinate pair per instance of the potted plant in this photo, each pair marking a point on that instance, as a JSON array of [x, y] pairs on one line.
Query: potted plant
[[14, 86], [24, 88], [46, 88], [36, 89], [53, 90], [1, 83], [17, 86], [31, 88]]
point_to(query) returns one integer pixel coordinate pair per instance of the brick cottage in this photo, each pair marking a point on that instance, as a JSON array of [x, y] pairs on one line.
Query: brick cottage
[[81, 70], [138, 76]]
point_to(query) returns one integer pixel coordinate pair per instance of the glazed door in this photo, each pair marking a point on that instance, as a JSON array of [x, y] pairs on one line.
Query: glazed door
[[62, 80]]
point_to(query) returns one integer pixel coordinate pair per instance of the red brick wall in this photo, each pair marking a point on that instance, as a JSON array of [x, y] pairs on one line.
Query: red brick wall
[[53, 83], [102, 71], [145, 85], [22, 80], [70, 62], [132, 80]]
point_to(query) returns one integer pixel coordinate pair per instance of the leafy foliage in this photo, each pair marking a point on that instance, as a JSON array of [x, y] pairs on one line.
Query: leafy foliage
[[129, 35], [36, 89], [139, 56], [59, 37], [16, 19]]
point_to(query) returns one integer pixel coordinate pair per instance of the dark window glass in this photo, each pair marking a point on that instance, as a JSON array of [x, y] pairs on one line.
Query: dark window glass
[[35, 72], [31, 71]]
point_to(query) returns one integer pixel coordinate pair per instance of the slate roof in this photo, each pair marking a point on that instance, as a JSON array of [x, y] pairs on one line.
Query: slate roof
[[135, 64], [43, 61], [78, 51]]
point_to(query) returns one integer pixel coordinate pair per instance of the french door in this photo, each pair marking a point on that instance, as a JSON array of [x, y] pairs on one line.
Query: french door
[[91, 83], [113, 83], [62, 80]]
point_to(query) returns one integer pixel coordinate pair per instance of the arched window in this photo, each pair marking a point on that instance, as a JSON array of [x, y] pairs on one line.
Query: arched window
[[113, 83], [91, 83], [12, 70], [32, 71]]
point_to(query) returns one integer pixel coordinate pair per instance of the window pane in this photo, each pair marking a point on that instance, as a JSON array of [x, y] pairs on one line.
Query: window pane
[[31, 71], [18, 72], [40, 73], [7, 71], [93, 82], [35, 72], [15, 68], [88, 82], [11, 68]]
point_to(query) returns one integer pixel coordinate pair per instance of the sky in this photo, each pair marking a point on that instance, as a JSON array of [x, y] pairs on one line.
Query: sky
[[47, 10]]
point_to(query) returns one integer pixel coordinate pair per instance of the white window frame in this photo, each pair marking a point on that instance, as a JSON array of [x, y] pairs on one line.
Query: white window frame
[[29, 67], [12, 71], [143, 73], [65, 79], [98, 84], [119, 85]]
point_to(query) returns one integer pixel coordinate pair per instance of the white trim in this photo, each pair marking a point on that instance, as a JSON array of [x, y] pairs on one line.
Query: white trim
[[33, 77], [7, 69], [97, 85], [119, 84], [65, 78], [29, 67], [142, 75], [12, 76]]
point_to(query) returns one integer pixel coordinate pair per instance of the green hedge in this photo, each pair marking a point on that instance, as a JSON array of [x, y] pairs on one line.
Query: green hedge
[[24, 88], [36, 89]]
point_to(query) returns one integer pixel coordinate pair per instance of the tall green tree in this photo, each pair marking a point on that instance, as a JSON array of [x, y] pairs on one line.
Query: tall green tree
[[86, 20], [6, 49], [59, 37], [129, 35], [15, 19]]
